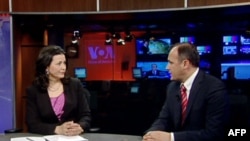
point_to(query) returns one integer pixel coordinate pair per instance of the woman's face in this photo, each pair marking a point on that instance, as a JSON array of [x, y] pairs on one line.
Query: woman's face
[[57, 67]]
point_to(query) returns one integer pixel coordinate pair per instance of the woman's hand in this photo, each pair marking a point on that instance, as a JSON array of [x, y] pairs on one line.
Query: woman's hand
[[69, 129], [74, 129]]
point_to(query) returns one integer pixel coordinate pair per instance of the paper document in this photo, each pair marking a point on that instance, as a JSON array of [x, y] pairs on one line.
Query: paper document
[[50, 138], [28, 139], [64, 138]]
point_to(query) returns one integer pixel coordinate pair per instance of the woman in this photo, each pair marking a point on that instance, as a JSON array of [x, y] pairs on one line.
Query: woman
[[56, 104]]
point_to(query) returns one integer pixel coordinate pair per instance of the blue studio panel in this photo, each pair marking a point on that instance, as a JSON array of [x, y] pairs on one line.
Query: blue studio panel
[[6, 85]]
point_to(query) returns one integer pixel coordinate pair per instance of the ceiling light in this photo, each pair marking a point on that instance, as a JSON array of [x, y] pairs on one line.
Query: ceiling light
[[115, 35], [108, 40], [120, 41], [129, 37], [77, 33], [74, 40]]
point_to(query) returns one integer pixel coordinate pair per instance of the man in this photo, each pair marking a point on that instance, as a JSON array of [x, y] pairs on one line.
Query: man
[[202, 115], [154, 71]]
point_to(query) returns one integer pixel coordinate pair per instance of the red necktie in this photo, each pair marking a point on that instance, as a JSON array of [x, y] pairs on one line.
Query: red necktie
[[183, 103]]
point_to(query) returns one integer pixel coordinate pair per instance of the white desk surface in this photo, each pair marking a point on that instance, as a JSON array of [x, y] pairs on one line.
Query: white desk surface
[[89, 136]]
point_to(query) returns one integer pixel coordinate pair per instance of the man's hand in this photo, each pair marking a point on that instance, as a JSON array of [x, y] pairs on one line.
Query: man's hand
[[157, 136]]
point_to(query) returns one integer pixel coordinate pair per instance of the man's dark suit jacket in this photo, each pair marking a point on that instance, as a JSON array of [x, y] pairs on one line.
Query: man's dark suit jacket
[[150, 73], [40, 117], [206, 111]]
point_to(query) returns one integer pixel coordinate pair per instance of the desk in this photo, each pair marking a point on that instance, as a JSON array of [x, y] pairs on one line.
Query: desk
[[89, 136]]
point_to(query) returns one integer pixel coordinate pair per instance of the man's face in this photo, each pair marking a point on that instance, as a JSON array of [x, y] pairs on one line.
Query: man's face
[[175, 67], [154, 67]]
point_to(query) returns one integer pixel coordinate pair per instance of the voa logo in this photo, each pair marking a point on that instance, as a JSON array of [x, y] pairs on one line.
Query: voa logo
[[101, 55]]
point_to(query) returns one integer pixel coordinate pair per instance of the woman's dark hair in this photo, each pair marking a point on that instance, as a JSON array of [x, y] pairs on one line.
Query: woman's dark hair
[[44, 59], [188, 51]]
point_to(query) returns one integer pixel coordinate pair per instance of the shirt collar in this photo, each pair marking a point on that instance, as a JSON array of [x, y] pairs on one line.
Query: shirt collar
[[188, 83]]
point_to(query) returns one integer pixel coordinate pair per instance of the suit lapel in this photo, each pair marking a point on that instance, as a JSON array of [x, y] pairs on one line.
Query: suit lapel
[[177, 106], [194, 91]]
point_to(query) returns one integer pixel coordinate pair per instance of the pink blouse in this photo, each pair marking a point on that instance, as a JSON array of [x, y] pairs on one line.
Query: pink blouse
[[57, 104]]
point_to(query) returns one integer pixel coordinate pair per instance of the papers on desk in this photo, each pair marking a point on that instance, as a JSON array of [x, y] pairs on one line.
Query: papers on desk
[[50, 138], [64, 138], [28, 139]]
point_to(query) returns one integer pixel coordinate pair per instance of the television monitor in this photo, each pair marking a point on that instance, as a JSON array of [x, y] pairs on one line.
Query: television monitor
[[244, 45], [230, 40], [244, 40], [239, 71], [158, 46], [80, 72], [154, 70], [245, 49], [136, 72], [230, 44], [205, 65], [204, 49], [229, 50], [134, 89], [189, 39]]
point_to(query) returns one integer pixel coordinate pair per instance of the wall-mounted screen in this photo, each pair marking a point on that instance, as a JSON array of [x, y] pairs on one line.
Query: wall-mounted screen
[[205, 49], [154, 70], [244, 40], [80, 72], [137, 72], [245, 49], [153, 47], [205, 65], [229, 50], [189, 39], [230, 44], [238, 71], [230, 39], [134, 89], [244, 45]]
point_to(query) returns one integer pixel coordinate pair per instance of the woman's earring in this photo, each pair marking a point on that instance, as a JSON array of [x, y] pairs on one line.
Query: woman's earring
[[47, 72]]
